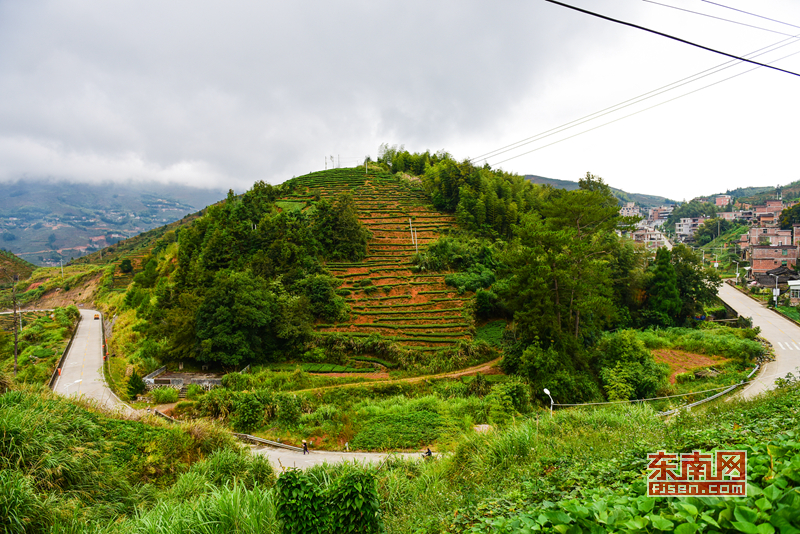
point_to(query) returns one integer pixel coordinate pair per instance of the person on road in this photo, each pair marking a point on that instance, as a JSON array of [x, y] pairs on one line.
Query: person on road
[[427, 453], [305, 448]]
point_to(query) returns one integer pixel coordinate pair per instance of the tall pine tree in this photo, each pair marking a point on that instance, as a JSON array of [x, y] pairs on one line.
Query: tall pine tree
[[663, 299]]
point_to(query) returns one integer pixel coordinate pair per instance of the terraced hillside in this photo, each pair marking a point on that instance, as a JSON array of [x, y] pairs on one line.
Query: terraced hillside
[[414, 309]]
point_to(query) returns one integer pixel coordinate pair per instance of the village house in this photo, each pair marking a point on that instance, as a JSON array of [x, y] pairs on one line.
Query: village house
[[659, 216], [688, 225], [768, 236], [764, 257], [652, 239], [723, 200], [630, 210]]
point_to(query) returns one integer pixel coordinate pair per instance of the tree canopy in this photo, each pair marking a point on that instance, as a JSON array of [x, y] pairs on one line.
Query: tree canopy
[[248, 280]]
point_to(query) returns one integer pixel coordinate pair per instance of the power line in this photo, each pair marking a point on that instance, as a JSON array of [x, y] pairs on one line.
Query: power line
[[751, 14], [637, 112], [715, 17], [662, 34], [635, 100]]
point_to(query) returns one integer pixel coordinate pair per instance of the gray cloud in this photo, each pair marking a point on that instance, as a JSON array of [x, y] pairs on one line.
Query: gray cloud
[[222, 94]]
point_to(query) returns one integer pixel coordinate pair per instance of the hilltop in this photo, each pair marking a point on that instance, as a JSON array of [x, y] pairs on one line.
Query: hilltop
[[646, 201], [383, 290], [759, 194], [45, 221]]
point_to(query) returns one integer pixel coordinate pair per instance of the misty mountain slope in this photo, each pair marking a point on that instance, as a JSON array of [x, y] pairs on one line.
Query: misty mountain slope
[[46, 221]]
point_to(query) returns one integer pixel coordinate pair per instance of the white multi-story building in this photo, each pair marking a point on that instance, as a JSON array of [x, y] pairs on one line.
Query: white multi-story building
[[630, 210], [688, 225]]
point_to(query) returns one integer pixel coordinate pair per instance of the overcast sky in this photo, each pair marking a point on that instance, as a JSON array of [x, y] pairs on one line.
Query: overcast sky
[[221, 94]]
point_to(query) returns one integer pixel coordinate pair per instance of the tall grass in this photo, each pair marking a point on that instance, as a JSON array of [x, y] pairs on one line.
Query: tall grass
[[732, 343], [65, 464], [229, 509]]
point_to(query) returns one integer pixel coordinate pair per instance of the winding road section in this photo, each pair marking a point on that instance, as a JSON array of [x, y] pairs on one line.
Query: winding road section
[[82, 372], [782, 333]]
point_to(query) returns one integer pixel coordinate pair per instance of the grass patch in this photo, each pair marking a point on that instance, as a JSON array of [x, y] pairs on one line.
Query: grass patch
[[491, 333]]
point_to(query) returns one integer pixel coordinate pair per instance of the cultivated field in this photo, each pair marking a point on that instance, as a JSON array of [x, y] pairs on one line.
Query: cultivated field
[[386, 296]]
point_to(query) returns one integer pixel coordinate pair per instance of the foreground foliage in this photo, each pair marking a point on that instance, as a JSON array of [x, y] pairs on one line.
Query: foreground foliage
[[579, 470]]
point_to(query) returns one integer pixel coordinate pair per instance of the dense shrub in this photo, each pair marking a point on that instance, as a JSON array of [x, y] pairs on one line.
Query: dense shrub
[[194, 391], [476, 277], [229, 467], [627, 369], [164, 395], [248, 413]]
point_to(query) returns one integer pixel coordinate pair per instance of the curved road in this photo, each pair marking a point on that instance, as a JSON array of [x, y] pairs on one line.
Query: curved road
[[82, 375], [82, 372], [782, 333]]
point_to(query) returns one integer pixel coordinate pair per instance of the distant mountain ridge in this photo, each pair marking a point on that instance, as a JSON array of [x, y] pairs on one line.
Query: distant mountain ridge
[[759, 194], [44, 221], [647, 201]]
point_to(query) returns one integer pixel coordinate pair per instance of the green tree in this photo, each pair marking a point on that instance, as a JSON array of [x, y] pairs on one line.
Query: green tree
[[126, 266], [697, 285], [136, 385], [789, 217], [559, 266], [339, 230], [712, 229], [235, 321], [148, 277], [567, 376], [663, 299], [627, 369]]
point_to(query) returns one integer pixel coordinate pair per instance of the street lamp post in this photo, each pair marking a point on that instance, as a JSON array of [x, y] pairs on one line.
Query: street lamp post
[[777, 291], [737, 268], [547, 392]]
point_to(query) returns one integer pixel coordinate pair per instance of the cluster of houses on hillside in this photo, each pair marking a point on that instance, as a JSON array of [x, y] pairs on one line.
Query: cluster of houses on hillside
[[772, 253], [765, 215], [647, 230]]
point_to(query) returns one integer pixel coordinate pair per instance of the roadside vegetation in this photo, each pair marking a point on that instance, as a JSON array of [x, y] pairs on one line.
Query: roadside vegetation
[[573, 470], [41, 342]]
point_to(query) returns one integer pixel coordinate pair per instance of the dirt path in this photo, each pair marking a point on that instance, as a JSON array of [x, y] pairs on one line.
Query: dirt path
[[484, 368]]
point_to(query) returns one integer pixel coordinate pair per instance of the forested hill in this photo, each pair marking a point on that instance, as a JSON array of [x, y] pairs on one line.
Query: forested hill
[[424, 262], [646, 201], [759, 194]]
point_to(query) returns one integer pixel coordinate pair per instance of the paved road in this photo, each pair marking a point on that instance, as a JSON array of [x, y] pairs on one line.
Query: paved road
[[782, 333], [287, 458], [82, 373]]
